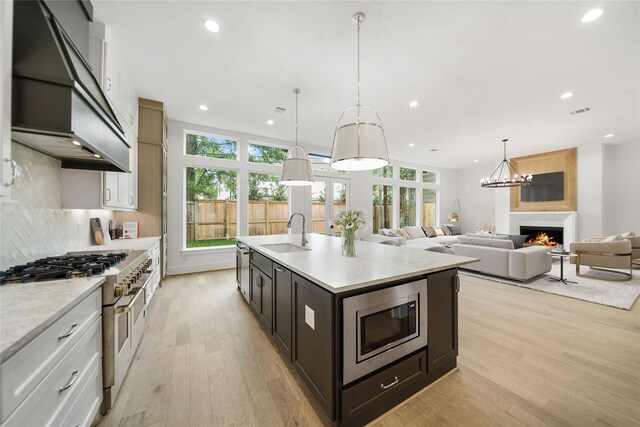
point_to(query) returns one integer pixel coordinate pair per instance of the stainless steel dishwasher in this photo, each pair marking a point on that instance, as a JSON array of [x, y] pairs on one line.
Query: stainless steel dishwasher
[[242, 269]]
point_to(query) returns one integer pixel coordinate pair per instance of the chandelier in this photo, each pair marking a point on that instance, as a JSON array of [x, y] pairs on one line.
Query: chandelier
[[505, 175]]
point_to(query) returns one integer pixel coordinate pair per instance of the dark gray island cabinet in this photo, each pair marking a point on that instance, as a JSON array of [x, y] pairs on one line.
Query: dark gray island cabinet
[[361, 338]]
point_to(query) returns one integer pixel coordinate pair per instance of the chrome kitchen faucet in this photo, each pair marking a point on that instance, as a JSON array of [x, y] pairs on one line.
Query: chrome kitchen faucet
[[304, 237]]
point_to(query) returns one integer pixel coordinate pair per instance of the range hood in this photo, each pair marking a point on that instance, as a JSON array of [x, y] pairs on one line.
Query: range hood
[[58, 107]]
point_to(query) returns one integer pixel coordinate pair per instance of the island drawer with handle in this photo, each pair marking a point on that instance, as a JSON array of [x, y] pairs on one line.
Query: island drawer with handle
[[88, 402], [22, 373], [262, 262], [375, 395], [54, 397]]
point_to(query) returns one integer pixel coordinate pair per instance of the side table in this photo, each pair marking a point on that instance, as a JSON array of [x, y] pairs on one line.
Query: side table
[[562, 256]]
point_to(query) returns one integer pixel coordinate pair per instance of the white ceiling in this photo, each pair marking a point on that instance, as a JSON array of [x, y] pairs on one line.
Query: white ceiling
[[481, 71]]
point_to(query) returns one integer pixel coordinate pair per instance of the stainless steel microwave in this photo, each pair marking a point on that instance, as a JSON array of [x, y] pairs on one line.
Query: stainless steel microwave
[[383, 326]]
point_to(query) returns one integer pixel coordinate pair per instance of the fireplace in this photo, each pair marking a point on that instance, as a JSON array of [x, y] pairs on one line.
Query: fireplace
[[548, 236]]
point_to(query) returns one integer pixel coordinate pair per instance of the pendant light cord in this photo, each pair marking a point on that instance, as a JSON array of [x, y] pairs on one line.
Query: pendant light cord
[[358, 25], [297, 91]]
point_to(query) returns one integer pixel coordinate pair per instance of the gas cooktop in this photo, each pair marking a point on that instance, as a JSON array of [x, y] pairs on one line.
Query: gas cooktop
[[62, 267]]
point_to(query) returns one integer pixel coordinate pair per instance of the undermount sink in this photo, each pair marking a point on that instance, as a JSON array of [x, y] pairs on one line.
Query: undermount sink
[[283, 248]]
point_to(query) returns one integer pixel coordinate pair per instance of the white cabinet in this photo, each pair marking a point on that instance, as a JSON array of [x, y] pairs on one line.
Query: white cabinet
[[54, 376], [7, 166]]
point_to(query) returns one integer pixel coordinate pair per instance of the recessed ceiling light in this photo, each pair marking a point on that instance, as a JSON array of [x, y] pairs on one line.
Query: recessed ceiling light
[[270, 122], [96, 155], [609, 135], [592, 15], [475, 160], [75, 142], [211, 25], [566, 95], [203, 107], [434, 149], [412, 144], [413, 104]]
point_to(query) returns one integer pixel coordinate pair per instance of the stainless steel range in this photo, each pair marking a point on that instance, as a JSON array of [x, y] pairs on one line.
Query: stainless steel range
[[124, 304]]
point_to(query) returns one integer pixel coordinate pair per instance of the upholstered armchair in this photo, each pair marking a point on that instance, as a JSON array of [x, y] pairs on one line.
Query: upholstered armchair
[[603, 256], [635, 246]]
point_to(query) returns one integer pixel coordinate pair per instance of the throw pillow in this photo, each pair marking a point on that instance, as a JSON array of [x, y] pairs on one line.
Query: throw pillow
[[455, 229], [518, 240], [415, 232], [393, 232], [404, 234], [384, 231], [446, 230], [612, 238], [429, 231], [439, 231], [628, 234]]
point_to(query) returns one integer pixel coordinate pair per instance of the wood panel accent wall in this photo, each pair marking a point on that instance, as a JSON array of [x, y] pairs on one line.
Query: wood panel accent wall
[[553, 161]]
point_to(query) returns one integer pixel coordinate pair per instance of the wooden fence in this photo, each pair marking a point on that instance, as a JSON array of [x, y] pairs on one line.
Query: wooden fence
[[216, 219]]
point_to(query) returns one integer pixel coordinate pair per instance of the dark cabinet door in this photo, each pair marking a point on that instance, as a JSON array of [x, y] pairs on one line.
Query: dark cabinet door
[[260, 294], [314, 339], [282, 309], [238, 267], [442, 312], [255, 297], [266, 293]]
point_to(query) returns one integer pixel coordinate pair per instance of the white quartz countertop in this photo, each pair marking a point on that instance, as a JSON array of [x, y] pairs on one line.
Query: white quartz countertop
[[142, 244], [27, 309], [373, 264]]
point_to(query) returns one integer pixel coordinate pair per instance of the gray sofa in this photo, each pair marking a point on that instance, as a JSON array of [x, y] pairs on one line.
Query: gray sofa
[[499, 258]]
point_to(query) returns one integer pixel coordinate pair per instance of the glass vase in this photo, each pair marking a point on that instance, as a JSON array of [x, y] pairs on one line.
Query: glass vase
[[348, 243]]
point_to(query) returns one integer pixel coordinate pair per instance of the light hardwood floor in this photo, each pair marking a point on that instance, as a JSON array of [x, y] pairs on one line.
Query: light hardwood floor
[[526, 359]]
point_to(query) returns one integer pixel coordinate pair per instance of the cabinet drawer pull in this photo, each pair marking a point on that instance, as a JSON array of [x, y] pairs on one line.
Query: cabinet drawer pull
[[74, 377], [108, 194], [74, 327], [108, 84], [13, 172], [394, 382], [131, 200], [457, 283], [279, 269]]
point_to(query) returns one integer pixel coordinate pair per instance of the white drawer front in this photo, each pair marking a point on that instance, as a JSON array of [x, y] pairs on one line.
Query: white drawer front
[[55, 395], [88, 402], [26, 369]]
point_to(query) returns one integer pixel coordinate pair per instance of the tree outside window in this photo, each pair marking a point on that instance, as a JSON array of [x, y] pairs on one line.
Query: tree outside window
[[407, 206], [407, 174], [385, 172], [211, 146], [382, 207]]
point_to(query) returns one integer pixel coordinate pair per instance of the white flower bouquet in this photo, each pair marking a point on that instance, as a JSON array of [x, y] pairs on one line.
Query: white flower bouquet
[[349, 221]]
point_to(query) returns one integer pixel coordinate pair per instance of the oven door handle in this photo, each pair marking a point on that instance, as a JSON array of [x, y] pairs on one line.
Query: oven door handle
[[127, 308]]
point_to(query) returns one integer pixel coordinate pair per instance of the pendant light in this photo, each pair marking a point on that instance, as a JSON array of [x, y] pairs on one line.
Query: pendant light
[[505, 175], [296, 168], [361, 144]]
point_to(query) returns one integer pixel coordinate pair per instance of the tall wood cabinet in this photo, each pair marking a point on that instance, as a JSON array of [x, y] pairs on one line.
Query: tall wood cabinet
[[152, 175]]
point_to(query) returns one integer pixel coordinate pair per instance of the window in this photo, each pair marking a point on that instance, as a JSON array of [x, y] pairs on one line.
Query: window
[[407, 206], [266, 154], [382, 207], [268, 205], [211, 207], [428, 176], [210, 146], [407, 174], [385, 172], [428, 208]]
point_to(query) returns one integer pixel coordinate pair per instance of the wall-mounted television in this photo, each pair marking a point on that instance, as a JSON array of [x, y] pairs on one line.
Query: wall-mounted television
[[544, 187]]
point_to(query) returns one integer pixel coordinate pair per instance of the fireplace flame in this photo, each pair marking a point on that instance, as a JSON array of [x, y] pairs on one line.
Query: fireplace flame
[[543, 239]]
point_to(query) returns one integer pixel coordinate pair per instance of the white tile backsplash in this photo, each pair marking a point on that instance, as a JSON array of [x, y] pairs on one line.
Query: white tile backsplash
[[32, 223]]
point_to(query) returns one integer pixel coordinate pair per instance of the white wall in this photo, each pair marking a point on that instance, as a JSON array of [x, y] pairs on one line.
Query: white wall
[[590, 177], [621, 188], [33, 224], [476, 203]]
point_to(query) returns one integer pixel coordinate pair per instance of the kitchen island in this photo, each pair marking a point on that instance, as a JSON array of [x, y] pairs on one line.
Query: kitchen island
[[364, 333]]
